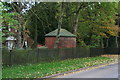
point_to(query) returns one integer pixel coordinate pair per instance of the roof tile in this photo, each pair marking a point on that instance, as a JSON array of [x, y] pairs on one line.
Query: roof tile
[[63, 33]]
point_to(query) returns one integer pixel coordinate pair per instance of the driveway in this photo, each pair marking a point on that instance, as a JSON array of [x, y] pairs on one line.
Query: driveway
[[110, 71]]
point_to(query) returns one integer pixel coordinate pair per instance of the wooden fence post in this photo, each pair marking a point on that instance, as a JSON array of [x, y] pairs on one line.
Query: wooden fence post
[[37, 55], [10, 58]]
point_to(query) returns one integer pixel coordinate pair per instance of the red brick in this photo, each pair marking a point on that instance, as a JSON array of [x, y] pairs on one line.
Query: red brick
[[64, 42]]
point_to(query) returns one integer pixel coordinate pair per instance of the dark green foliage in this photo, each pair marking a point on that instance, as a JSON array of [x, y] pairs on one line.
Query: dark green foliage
[[92, 27], [93, 18], [43, 16]]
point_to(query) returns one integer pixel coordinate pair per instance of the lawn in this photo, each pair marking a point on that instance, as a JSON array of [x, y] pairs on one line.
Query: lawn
[[45, 69]]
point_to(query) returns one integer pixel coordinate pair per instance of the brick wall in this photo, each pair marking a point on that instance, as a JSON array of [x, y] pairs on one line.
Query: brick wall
[[64, 42]]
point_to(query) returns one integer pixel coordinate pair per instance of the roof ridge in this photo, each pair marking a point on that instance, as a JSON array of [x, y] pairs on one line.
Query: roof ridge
[[63, 32]]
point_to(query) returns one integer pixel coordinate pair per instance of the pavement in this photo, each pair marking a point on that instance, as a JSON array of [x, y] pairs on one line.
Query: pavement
[[109, 71]]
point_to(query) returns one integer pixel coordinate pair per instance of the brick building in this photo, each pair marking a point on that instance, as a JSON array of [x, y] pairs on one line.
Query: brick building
[[66, 39]]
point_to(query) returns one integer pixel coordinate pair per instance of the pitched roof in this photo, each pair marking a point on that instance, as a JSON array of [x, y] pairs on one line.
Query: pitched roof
[[63, 33]]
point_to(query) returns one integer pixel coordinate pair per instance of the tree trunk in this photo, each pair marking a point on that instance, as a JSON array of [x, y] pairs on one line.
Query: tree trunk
[[19, 34], [18, 8], [19, 43], [72, 23], [102, 43], [76, 24], [0, 51], [76, 21], [59, 26], [116, 41], [35, 32], [107, 42], [1, 34]]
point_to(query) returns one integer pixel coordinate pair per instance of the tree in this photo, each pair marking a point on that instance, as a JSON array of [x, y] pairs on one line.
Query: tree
[[44, 16], [59, 25], [7, 20], [93, 19], [93, 23], [20, 8]]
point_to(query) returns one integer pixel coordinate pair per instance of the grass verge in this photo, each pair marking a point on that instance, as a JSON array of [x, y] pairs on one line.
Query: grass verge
[[45, 69]]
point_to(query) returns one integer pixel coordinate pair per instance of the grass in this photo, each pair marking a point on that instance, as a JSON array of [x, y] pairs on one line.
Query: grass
[[45, 69]]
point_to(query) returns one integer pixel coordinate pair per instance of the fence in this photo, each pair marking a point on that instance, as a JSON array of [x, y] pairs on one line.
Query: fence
[[48, 55]]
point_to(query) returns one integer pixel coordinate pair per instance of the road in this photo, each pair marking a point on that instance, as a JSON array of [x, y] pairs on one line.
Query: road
[[110, 71]]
